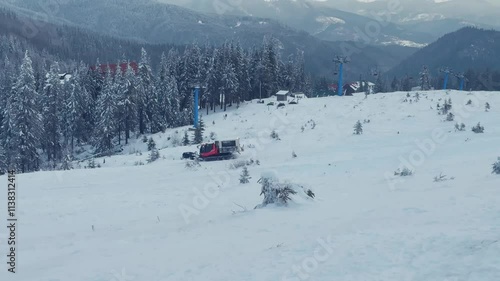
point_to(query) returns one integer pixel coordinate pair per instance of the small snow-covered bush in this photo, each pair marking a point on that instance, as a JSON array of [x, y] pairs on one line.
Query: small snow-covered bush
[[175, 141], [460, 127], [237, 164], [213, 136], [274, 135], [487, 107], [496, 167], [403, 173], [192, 164], [294, 155], [450, 117], [478, 129], [279, 193]]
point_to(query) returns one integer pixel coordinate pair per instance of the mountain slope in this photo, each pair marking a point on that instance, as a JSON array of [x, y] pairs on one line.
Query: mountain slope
[[467, 48], [165, 221]]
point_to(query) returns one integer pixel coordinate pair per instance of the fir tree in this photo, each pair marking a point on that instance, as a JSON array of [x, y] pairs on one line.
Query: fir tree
[[185, 139], [67, 162], [107, 126], [52, 105], [425, 83], [25, 120], [198, 133], [151, 144], [153, 155], [358, 128], [245, 176]]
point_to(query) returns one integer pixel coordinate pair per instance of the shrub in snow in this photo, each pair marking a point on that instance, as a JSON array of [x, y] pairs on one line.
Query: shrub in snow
[[450, 117], [487, 107], [442, 177], [469, 102], [138, 163], [496, 167], [302, 129], [245, 176], [358, 128], [403, 173], [237, 164], [294, 155], [153, 155], [144, 139], [460, 127], [192, 164], [478, 129], [151, 144], [274, 135], [279, 193], [175, 141], [213, 136]]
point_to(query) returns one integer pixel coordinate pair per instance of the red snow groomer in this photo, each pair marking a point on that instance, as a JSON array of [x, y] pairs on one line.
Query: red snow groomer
[[219, 150]]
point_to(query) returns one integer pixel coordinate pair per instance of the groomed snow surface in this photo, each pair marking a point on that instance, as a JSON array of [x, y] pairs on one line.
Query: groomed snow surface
[[163, 221]]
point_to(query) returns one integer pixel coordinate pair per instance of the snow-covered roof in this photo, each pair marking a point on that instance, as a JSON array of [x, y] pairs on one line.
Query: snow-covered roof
[[282, 93]]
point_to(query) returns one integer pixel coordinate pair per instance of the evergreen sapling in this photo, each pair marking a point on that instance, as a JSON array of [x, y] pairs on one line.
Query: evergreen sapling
[[245, 176], [358, 128]]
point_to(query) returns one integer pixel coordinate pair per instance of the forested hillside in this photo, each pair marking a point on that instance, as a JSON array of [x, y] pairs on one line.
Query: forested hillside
[[48, 116]]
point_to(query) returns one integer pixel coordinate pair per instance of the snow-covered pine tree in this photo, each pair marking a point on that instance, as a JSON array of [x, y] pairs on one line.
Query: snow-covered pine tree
[[185, 139], [245, 176], [229, 84], [73, 112], [128, 99], [106, 127], [425, 82], [67, 161], [145, 92], [380, 84], [198, 133], [25, 120], [151, 144], [52, 119], [153, 155], [358, 128]]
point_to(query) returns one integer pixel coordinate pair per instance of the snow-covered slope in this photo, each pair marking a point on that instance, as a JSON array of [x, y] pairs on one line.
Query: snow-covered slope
[[163, 221]]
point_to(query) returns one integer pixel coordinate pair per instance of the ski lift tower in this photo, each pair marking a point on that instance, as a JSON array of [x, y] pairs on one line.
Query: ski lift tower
[[447, 71], [196, 85], [461, 77], [340, 61]]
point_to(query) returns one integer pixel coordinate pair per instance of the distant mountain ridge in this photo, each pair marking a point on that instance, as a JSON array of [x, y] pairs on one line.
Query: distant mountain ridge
[[467, 48]]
